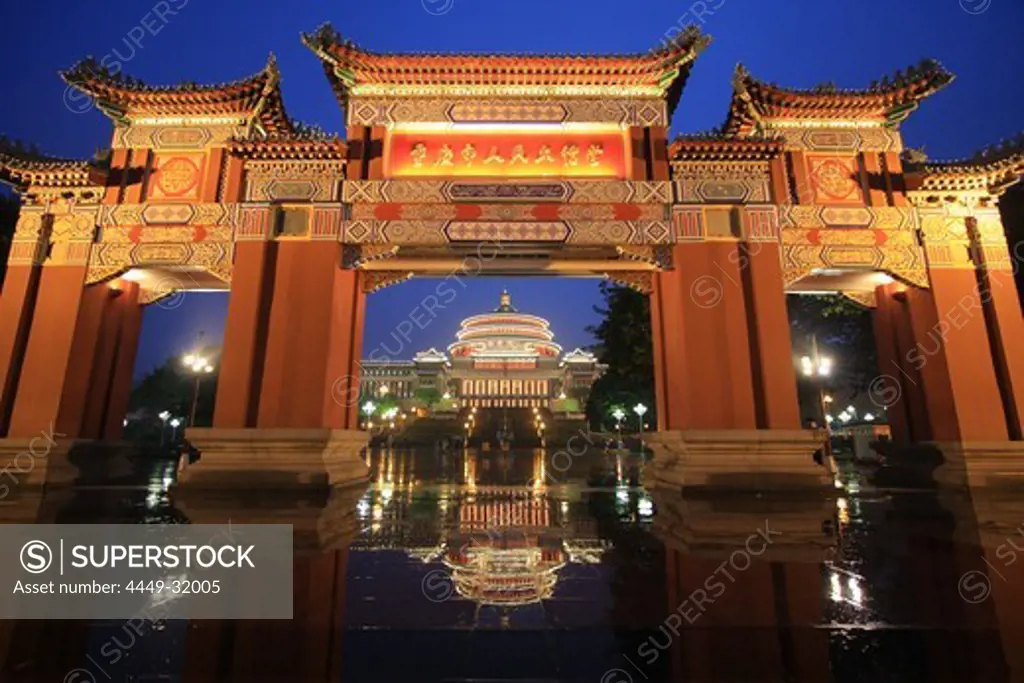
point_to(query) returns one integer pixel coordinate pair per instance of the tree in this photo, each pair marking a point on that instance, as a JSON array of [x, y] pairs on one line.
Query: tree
[[170, 388], [428, 397], [624, 345]]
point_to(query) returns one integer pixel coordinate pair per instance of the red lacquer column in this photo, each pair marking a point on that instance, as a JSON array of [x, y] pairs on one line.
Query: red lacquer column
[[16, 306], [709, 382], [245, 335], [953, 358], [49, 353], [770, 341], [315, 320]]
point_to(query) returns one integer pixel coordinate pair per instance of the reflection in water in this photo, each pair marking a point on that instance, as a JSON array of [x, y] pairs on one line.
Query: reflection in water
[[520, 566]]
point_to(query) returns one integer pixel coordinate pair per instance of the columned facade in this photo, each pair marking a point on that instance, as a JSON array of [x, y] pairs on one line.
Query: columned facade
[[462, 165]]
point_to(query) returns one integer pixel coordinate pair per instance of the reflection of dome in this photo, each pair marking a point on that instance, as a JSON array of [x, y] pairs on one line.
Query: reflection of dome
[[505, 333]]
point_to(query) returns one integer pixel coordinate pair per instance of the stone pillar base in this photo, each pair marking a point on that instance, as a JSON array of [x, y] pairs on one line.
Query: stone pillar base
[[741, 460], [975, 465], [323, 519], [40, 462], [797, 529], [275, 458]]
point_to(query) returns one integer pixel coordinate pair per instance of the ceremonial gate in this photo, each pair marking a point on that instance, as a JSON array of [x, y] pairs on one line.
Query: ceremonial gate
[[460, 164]]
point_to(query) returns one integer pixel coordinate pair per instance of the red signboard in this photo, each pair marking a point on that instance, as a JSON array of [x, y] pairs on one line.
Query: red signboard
[[518, 153]]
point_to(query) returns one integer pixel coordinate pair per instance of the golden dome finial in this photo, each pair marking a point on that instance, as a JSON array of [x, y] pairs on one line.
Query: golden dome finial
[[505, 303]]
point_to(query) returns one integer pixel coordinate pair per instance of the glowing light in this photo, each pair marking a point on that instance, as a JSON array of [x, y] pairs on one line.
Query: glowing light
[[835, 588], [869, 417], [829, 419], [486, 152], [175, 423], [640, 409], [134, 275], [369, 407], [856, 594]]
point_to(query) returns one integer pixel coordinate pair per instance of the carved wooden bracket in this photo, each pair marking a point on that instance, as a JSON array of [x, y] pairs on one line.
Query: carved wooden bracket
[[376, 280], [642, 282]]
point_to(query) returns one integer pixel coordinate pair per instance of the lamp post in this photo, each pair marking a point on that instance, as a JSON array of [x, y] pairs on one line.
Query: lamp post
[[640, 409], [618, 414], [164, 417], [368, 408], [199, 367], [175, 423], [819, 367]]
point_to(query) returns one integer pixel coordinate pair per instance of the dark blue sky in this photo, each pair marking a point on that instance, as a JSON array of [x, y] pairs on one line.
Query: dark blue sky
[[793, 43]]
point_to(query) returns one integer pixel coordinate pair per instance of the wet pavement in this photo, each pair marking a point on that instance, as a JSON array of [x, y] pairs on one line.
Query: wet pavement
[[471, 566]]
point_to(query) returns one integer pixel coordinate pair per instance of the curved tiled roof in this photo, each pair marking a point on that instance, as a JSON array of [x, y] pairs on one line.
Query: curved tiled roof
[[663, 70], [717, 147], [993, 169], [122, 97], [22, 166], [887, 101]]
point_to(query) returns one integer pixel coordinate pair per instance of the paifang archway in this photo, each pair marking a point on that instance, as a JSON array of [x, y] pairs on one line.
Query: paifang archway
[[553, 164]]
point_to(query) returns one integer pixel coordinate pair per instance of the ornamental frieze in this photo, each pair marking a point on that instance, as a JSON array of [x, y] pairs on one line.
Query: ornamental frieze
[[423, 232], [107, 260], [384, 111], [825, 139], [171, 137], [567, 191], [721, 182], [138, 234], [709, 191], [162, 213], [904, 261], [879, 218], [302, 180], [509, 212]]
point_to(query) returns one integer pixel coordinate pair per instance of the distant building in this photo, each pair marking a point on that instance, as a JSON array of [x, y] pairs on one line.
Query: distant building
[[499, 359]]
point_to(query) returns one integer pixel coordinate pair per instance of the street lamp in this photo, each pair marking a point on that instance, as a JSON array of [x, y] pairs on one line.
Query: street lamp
[[164, 417], [368, 408], [618, 414], [640, 409], [175, 423], [199, 367], [819, 367]]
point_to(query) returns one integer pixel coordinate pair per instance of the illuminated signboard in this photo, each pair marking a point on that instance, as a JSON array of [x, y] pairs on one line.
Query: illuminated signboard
[[494, 151]]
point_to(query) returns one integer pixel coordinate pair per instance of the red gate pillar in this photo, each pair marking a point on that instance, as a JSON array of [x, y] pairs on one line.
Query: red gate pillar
[[16, 306], [245, 334], [958, 386], [305, 430], [726, 369], [76, 372]]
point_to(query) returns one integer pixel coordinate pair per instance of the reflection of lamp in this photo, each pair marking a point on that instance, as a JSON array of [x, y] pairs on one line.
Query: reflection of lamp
[[164, 417]]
